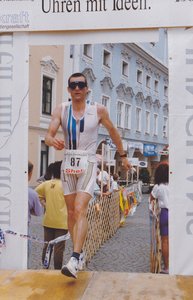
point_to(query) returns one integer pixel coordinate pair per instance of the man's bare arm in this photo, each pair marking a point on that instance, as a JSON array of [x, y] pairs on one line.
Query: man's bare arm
[[55, 123], [113, 132]]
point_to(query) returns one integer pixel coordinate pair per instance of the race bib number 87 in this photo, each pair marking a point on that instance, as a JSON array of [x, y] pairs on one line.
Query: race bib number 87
[[75, 161]]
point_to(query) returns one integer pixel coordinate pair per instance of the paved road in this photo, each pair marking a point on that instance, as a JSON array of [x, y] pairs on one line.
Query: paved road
[[127, 251]]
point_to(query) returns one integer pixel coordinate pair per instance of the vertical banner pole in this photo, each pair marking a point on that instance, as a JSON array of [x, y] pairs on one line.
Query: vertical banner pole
[[137, 173], [108, 159], [102, 167], [127, 178]]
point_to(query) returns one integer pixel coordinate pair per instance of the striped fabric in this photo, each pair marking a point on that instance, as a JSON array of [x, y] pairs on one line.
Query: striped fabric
[[80, 133]]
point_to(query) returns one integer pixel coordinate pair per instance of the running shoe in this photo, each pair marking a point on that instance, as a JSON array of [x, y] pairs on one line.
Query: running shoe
[[81, 262], [71, 268], [164, 271]]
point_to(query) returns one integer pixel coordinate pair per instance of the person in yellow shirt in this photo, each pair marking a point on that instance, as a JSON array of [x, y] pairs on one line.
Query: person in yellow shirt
[[51, 196]]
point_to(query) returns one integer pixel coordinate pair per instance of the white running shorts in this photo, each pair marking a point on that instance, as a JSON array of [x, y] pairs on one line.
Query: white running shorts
[[74, 183]]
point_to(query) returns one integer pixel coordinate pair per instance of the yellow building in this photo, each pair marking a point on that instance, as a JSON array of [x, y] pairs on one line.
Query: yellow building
[[46, 81]]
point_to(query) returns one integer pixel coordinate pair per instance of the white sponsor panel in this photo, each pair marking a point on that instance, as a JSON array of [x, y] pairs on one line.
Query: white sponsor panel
[[142, 164], [104, 36], [40, 15], [181, 154], [13, 148], [112, 162], [134, 161], [163, 152]]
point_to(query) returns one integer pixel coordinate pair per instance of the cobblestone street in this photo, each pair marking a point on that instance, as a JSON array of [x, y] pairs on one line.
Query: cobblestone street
[[127, 251]]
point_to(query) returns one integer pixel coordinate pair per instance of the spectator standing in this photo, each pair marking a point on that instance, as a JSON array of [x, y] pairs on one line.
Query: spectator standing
[[160, 192], [55, 217], [114, 184], [103, 179], [34, 206]]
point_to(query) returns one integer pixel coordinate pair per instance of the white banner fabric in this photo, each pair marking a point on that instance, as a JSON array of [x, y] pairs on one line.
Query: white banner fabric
[[13, 148], [41, 15], [180, 151]]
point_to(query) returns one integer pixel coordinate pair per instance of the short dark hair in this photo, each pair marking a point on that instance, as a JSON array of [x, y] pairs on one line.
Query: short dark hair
[[49, 172], [56, 169], [162, 173], [30, 167], [115, 176], [77, 75]]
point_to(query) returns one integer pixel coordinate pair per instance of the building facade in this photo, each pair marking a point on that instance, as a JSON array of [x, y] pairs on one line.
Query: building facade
[[131, 80], [46, 90]]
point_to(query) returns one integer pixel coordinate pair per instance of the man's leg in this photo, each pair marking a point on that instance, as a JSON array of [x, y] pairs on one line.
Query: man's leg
[[81, 224], [77, 211], [77, 206], [70, 204]]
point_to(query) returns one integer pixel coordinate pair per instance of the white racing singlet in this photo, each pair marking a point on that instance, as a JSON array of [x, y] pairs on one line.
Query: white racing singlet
[[80, 137]]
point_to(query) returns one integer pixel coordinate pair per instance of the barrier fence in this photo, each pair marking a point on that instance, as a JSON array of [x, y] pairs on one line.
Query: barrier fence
[[156, 251], [107, 213]]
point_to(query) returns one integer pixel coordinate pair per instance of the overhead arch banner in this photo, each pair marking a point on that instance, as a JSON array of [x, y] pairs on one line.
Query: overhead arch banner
[[40, 15]]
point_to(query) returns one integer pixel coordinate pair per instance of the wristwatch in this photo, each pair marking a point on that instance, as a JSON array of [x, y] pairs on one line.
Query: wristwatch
[[123, 155]]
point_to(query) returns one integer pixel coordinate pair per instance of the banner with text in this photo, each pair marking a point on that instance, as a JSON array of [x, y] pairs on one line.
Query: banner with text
[[180, 151], [14, 58], [40, 15]]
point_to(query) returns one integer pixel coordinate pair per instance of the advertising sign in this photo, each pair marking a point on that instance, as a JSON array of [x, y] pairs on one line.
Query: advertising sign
[[180, 151], [149, 150], [40, 15]]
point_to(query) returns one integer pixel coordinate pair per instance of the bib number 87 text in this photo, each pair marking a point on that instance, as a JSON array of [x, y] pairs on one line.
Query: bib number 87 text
[[75, 161]]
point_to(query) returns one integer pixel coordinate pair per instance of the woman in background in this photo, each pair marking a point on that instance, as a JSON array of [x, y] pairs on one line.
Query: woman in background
[[160, 192]]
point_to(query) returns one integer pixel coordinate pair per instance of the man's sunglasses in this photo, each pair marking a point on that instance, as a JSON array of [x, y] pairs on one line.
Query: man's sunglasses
[[80, 84]]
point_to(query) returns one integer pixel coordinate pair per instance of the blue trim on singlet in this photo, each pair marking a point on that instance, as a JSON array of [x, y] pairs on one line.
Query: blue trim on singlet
[[73, 133], [69, 121], [71, 128], [82, 125]]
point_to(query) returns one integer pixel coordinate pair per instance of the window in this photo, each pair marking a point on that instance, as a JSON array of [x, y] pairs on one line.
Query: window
[[127, 116], [148, 81], [106, 102], [155, 124], [165, 91], [165, 127], [138, 119], [139, 76], [156, 86], [43, 158], [87, 50], [106, 58], [120, 114], [125, 68], [47, 95], [147, 122]]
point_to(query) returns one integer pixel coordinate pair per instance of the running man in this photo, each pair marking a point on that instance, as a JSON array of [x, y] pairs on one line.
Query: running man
[[79, 120]]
